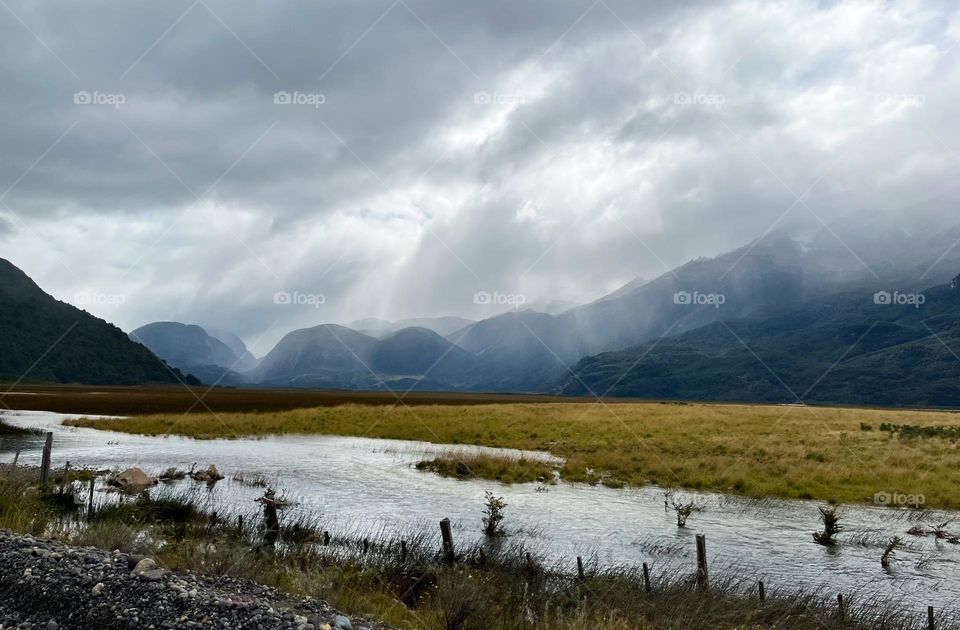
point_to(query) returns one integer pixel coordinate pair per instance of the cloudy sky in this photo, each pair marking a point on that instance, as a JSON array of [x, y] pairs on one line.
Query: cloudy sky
[[189, 160]]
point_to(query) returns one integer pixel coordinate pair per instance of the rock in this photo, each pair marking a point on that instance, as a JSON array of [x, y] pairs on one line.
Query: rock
[[147, 564], [98, 589], [151, 575], [342, 623], [133, 559], [210, 474], [133, 479], [52, 625]]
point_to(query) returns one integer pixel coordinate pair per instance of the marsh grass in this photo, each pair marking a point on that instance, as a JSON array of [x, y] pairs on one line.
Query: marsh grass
[[8, 430], [752, 450], [502, 468], [491, 586]]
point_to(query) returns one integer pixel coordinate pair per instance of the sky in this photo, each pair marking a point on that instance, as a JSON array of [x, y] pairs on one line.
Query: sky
[[265, 166]]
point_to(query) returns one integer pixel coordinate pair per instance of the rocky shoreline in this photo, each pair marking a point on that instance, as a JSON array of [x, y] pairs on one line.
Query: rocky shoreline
[[53, 586]]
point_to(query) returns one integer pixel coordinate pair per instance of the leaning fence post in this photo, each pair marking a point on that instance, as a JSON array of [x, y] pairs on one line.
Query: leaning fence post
[[703, 579], [45, 462], [930, 623], [580, 572], [16, 458], [646, 577], [763, 592], [448, 552]]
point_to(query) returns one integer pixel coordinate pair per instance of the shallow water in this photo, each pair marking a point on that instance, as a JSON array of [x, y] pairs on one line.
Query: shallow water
[[371, 485]]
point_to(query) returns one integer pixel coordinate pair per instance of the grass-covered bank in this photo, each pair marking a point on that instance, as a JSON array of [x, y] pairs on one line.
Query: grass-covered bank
[[833, 454], [409, 585]]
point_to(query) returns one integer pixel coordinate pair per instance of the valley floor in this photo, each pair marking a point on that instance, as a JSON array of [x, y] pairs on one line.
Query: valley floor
[[834, 454]]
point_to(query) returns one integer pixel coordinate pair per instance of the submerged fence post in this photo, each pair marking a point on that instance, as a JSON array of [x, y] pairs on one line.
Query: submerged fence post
[[763, 592], [240, 524], [449, 555], [326, 538], [703, 578], [403, 551], [45, 462], [16, 458], [580, 572], [646, 577], [840, 604], [930, 623]]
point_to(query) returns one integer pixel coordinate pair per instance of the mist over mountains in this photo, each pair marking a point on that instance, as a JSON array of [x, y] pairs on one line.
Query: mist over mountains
[[863, 311]]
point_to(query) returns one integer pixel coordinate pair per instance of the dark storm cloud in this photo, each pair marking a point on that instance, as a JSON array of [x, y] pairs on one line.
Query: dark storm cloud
[[555, 149]]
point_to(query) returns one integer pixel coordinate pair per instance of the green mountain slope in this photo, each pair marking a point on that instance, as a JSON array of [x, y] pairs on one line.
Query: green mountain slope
[[43, 339], [843, 348]]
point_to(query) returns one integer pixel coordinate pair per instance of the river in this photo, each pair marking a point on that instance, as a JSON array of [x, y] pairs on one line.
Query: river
[[371, 486]]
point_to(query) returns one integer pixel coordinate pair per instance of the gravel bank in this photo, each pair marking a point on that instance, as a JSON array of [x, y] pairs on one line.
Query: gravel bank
[[53, 586]]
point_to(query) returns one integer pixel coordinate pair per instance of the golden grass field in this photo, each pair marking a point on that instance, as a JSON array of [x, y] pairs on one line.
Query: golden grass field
[[753, 450]]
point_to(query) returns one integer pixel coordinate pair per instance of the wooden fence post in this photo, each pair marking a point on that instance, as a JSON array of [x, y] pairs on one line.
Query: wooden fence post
[[403, 551], [326, 538], [90, 499], [580, 572], [45, 462], [449, 555], [703, 578], [763, 592], [840, 604], [66, 473], [930, 623], [16, 458], [240, 524], [646, 577]]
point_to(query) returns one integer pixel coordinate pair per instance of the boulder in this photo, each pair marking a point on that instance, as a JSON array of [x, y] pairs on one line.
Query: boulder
[[210, 474], [133, 479]]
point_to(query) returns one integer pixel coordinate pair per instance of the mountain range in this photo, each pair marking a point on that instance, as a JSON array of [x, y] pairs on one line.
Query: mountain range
[[787, 317]]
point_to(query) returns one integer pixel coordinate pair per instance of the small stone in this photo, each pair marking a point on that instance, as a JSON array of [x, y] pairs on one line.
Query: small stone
[[342, 623], [52, 625], [299, 620], [98, 589]]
